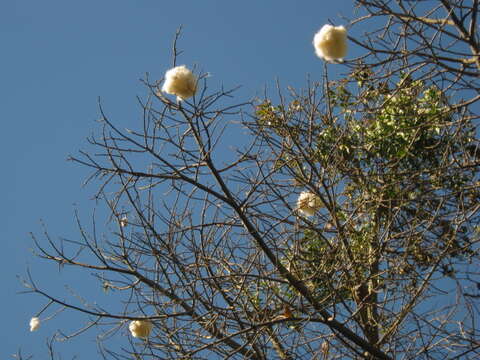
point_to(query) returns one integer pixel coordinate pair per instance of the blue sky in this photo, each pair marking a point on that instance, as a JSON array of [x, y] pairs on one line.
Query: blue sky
[[58, 56]]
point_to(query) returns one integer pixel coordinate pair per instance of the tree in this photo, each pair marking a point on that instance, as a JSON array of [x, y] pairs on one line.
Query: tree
[[331, 234]]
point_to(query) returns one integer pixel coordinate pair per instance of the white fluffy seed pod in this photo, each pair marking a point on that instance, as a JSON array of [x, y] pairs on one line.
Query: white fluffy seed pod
[[140, 328], [308, 203], [34, 323], [180, 81], [330, 42], [124, 221]]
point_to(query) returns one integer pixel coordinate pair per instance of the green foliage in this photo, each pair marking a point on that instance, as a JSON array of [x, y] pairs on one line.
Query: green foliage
[[405, 125]]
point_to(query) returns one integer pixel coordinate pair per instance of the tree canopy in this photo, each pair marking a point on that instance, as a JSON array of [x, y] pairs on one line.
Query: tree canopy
[[330, 230]]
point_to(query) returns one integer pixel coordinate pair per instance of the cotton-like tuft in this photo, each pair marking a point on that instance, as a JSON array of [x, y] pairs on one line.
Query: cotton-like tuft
[[331, 42], [124, 221], [180, 81], [34, 323], [308, 203], [140, 328]]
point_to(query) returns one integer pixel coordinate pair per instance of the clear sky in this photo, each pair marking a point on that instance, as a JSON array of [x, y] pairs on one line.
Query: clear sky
[[58, 56]]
